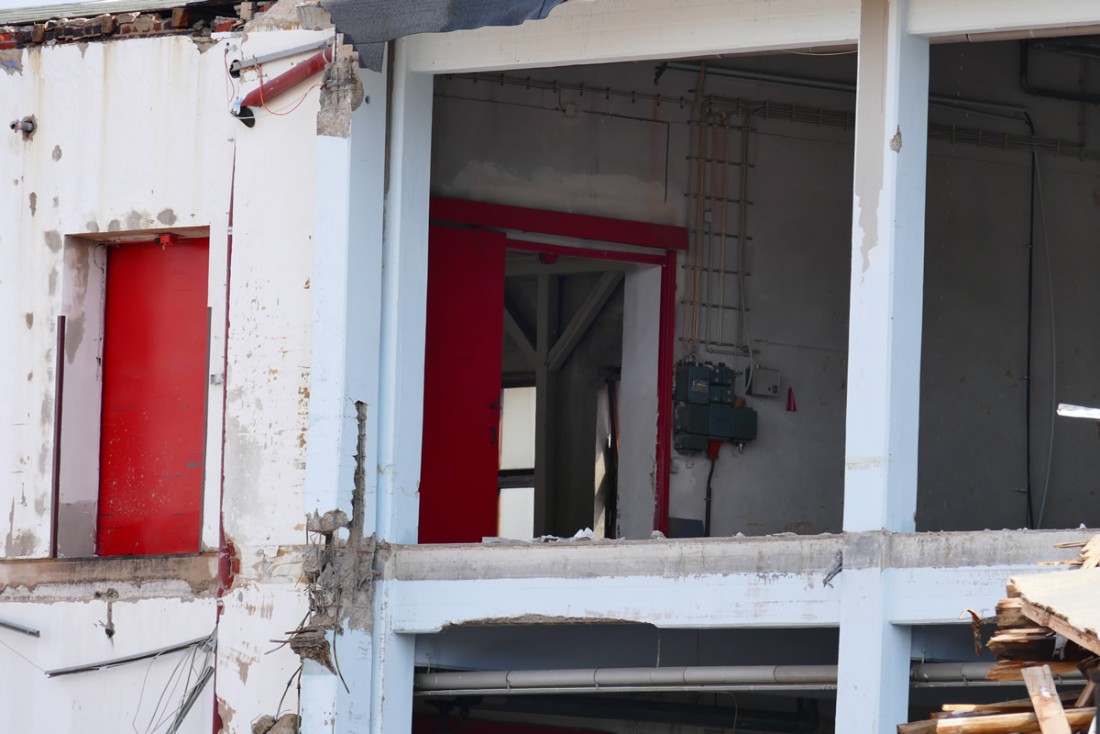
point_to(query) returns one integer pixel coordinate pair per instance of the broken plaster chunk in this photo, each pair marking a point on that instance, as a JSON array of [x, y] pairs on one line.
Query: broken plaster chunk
[[328, 523], [263, 724], [313, 17], [287, 724], [312, 562], [310, 643]]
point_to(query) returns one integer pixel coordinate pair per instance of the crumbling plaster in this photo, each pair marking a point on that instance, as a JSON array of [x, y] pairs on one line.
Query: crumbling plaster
[[115, 166], [155, 148]]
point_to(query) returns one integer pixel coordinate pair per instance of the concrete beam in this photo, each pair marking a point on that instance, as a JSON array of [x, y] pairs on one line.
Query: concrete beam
[[630, 30], [38, 582], [620, 559], [920, 578], [730, 600], [796, 554], [950, 17]]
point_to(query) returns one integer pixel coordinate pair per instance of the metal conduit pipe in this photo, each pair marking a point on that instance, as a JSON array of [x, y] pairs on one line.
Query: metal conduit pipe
[[592, 679], [628, 677], [973, 105]]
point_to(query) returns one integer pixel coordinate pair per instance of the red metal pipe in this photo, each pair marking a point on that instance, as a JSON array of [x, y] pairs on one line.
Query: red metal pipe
[[276, 86]]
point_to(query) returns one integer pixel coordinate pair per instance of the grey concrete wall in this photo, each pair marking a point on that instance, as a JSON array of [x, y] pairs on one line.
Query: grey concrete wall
[[602, 154]]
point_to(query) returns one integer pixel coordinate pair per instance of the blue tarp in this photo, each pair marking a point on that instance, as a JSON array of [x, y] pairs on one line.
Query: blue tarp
[[369, 24]]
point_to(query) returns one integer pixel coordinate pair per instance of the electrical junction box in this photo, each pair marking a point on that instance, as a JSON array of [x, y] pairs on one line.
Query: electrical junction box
[[705, 408], [692, 383], [732, 423], [764, 383]]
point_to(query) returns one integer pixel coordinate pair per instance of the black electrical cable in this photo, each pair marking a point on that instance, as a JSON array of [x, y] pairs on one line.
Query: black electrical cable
[[706, 520], [1029, 520]]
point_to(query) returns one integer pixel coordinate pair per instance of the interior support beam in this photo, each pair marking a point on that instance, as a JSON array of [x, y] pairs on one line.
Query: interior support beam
[[582, 320], [632, 30], [546, 333], [519, 336], [976, 17], [884, 351]]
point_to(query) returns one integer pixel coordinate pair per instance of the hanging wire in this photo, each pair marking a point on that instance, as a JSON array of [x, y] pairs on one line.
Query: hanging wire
[[1053, 344]]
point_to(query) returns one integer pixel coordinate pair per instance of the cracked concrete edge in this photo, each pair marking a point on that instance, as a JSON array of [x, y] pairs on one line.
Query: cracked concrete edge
[[789, 555]]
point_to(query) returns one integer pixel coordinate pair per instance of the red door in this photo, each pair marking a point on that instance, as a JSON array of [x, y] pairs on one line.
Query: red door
[[465, 333], [154, 399]]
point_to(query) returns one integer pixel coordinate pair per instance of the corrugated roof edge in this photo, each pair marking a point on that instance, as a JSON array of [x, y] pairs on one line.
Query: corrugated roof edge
[[37, 13]]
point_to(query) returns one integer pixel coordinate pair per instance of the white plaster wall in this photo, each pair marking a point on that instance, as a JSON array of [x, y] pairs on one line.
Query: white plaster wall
[[638, 403], [135, 135], [73, 632], [131, 136]]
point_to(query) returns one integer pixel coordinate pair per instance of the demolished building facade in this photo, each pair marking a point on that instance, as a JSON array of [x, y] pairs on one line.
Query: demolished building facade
[[911, 271]]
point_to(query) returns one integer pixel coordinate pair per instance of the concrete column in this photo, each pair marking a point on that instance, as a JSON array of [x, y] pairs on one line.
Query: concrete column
[[401, 375], [346, 292], [404, 303], [884, 333], [884, 348]]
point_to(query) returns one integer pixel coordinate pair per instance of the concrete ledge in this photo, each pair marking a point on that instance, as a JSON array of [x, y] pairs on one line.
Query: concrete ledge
[[133, 577], [797, 554], [609, 559]]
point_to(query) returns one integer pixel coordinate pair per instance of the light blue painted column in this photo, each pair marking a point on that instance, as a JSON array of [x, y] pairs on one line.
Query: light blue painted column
[[346, 326], [884, 348], [401, 375]]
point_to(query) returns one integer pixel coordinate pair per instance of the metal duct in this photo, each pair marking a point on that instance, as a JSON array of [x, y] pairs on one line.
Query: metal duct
[[599, 680]]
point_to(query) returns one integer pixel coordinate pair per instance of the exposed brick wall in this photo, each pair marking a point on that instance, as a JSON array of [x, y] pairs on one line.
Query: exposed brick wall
[[128, 25]]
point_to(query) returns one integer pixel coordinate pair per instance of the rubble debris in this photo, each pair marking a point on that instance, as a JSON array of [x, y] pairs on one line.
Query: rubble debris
[[328, 523], [310, 643], [196, 20], [285, 724], [1046, 626], [336, 571]]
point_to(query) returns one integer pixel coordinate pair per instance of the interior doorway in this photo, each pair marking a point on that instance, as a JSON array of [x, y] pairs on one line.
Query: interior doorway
[[530, 314]]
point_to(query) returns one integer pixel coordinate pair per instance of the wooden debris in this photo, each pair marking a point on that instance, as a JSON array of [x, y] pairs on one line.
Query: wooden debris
[[1077, 719], [1044, 696], [1010, 614], [976, 631], [1049, 625], [1009, 670], [1066, 602], [1004, 707]]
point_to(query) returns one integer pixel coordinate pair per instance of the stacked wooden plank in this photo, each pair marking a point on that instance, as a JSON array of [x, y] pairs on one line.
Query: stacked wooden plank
[[1047, 626]]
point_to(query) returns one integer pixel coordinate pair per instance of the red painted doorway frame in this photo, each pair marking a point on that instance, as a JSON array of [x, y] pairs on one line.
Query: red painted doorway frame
[[661, 244]]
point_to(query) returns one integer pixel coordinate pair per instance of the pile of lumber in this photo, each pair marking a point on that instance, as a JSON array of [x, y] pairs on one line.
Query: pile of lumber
[[1046, 627]]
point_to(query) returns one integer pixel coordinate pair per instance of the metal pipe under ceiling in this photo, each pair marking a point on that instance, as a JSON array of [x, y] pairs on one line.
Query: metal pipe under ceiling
[[722, 677]]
